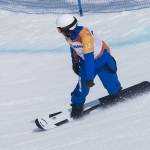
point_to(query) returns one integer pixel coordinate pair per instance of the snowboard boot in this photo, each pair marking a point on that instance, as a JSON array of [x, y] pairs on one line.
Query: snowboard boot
[[111, 99], [76, 111], [116, 97]]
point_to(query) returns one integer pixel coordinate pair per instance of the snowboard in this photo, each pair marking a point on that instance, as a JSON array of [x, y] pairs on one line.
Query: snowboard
[[56, 119]]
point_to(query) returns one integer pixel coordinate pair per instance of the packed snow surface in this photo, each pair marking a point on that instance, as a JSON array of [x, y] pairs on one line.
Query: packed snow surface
[[36, 79]]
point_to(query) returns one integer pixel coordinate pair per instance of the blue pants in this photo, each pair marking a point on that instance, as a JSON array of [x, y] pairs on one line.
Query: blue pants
[[108, 79]]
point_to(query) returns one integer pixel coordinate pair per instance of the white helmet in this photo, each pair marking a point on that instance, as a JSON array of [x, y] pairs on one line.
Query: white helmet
[[66, 23]]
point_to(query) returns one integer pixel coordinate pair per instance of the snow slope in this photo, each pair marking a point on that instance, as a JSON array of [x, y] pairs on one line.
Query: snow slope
[[36, 79]]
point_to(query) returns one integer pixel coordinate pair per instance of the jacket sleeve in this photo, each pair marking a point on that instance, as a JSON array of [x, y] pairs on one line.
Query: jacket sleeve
[[74, 56], [88, 50], [89, 65]]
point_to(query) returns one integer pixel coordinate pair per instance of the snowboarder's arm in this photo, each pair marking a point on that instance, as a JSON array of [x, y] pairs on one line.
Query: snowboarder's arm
[[88, 49], [74, 56], [75, 61]]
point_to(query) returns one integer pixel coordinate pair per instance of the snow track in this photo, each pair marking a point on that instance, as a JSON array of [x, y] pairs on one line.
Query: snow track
[[35, 83]]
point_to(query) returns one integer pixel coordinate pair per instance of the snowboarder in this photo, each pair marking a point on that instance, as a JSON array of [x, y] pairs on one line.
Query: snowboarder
[[90, 57]]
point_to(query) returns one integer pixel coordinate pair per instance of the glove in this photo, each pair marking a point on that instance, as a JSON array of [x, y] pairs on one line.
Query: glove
[[75, 68], [89, 83], [76, 111]]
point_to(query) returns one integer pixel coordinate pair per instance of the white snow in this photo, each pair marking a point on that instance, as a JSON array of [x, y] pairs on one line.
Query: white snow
[[36, 79]]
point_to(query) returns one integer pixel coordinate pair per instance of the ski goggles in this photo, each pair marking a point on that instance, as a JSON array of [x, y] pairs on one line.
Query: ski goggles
[[63, 30]]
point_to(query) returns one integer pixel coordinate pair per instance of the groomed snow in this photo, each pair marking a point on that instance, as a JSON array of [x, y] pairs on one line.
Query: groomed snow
[[36, 79]]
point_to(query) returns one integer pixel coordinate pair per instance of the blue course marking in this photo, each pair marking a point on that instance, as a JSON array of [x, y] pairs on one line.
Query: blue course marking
[[54, 51], [135, 41], [67, 50]]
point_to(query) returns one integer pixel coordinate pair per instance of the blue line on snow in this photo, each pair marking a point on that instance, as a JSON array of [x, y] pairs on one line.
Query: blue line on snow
[[66, 49]]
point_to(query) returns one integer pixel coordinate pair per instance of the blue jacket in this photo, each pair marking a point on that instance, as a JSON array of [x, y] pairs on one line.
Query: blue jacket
[[84, 50]]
